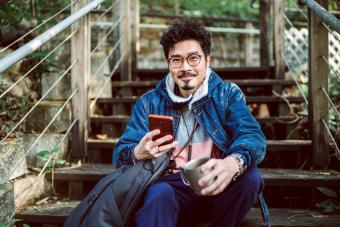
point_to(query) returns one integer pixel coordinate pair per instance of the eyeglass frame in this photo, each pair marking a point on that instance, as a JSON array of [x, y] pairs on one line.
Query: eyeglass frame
[[187, 59]]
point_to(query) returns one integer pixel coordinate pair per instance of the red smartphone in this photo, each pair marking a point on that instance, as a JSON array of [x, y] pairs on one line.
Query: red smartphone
[[163, 123]]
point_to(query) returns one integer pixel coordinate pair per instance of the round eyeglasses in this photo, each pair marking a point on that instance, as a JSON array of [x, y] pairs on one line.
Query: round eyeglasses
[[177, 62]]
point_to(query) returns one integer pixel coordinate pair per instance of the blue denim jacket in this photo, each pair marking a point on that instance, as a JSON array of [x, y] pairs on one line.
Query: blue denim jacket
[[223, 113]]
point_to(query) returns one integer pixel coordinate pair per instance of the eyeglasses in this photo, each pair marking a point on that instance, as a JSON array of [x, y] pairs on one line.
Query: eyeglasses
[[177, 62]]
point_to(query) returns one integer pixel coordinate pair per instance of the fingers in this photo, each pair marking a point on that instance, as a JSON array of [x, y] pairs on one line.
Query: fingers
[[148, 136], [162, 140]]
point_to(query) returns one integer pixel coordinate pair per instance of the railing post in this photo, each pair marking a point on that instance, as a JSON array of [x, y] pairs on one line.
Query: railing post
[[135, 19], [125, 46], [278, 37], [80, 51], [265, 32], [318, 77]]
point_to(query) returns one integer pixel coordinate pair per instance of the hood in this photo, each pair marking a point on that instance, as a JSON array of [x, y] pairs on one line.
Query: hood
[[166, 89]]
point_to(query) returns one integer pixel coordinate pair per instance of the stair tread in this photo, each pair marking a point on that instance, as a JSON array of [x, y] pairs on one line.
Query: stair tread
[[57, 212], [126, 118], [240, 82], [250, 99], [292, 145], [291, 177]]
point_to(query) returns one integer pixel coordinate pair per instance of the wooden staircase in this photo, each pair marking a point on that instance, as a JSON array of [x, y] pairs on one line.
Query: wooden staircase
[[290, 183]]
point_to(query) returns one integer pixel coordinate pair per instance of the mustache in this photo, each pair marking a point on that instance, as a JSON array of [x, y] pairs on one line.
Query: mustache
[[185, 74]]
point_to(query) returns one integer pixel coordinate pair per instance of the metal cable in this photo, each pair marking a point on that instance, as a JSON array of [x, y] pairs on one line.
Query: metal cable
[[107, 10], [110, 53], [331, 136], [292, 26], [45, 166], [300, 10], [36, 65], [331, 67], [104, 38], [107, 80], [331, 31], [42, 133], [330, 101], [59, 144], [296, 82], [44, 22], [39, 101]]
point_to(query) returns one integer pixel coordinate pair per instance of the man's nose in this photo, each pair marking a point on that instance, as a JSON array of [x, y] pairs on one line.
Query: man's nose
[[185, 66]]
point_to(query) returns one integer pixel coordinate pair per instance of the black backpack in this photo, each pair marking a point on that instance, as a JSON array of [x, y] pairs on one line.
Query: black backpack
[[114, 199]]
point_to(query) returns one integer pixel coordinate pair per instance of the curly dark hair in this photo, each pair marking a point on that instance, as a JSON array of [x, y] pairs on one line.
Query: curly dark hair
[[185, 29]]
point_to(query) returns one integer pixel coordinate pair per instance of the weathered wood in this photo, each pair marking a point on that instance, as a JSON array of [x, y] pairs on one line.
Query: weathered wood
[[126, 118], [75, 190], [125, 37], [80, 51], [57, 213], [135, 44], [318, 78], [265, 32], [278, 37], [250, 99], [287, 177], [273, 145], [249, 47], [245, 82], [230, 72]]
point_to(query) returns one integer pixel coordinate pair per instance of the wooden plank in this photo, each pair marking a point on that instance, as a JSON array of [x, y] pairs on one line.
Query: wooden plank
[[135, 43], [274, 177], [125, 37], [126, 118], [56, 213], [318, 77], [273, 145], [265, 32], [250, 99], [80, 51], [228, 72], [278, 36], [245, 82]]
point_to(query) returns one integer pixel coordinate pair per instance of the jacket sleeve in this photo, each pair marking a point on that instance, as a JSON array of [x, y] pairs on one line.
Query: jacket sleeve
[[248, 139], [135, 130]]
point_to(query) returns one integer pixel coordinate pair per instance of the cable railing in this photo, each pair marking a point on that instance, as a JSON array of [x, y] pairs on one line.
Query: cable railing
[[331, 26], [78, 70]]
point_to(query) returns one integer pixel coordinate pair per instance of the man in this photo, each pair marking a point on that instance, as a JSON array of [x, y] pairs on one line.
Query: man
[[215, 115]]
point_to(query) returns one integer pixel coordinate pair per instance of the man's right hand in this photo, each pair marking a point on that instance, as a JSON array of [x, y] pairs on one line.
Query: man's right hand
[[147, 149]]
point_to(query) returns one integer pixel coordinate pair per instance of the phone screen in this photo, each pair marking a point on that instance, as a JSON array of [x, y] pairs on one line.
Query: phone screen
[[163, 123]]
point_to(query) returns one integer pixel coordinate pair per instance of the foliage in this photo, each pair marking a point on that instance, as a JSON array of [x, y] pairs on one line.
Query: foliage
[[49, 156], [12, 109], [331, 203]]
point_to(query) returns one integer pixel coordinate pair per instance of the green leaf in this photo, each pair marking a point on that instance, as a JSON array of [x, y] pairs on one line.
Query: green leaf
[[44, 155], [328, 192]]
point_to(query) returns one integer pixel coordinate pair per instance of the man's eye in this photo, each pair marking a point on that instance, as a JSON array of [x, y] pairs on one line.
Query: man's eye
[[194, 58], [176, 60]]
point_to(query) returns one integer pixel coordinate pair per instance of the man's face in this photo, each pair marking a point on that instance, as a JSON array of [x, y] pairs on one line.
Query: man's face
[[188, 66]]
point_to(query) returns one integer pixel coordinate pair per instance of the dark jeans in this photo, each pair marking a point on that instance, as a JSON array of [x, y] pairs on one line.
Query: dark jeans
[[169, 202]]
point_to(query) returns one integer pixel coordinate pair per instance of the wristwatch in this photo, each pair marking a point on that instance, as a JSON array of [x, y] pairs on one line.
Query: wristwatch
[[241, 165]]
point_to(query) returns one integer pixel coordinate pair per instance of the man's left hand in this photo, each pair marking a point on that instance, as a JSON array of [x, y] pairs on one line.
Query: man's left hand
[[221, 172]]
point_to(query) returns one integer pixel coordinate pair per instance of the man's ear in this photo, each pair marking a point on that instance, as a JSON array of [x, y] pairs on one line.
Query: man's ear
[[208, 61]]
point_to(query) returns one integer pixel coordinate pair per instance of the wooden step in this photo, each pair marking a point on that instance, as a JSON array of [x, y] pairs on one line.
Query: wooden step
[[57, 212], [273, 145], [272, 177], [250, 99], [225, 73], [126, 118], [240, 82]]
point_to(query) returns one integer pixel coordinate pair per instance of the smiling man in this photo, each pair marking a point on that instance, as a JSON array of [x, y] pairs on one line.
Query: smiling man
[[211, 119]]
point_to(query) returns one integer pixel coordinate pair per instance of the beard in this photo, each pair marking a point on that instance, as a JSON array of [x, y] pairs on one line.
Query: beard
[[186, 84]]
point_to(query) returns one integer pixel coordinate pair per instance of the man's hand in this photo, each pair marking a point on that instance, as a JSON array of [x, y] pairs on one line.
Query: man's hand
[[221, 172], [147, 149]]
